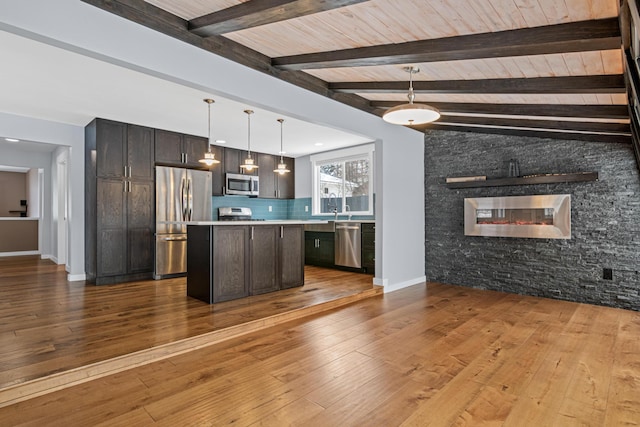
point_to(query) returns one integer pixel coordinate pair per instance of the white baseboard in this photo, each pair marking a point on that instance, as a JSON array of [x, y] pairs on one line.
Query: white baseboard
[[3, 254], [76, 277], [396, 286]]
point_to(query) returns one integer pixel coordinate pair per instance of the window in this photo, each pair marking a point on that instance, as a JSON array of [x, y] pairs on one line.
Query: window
[[343, 182]]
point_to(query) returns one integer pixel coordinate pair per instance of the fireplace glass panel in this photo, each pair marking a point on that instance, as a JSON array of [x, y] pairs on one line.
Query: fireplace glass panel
[[532, 216]]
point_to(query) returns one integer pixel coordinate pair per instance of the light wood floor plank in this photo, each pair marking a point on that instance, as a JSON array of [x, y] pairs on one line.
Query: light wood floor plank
[[433, 355]]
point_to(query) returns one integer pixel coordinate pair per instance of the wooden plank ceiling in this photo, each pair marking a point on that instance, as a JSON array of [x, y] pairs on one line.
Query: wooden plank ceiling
[[526, 67]]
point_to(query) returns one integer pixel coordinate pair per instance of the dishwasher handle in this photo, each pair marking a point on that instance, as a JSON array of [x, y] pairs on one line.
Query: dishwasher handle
[[347, 227], [172, 239]]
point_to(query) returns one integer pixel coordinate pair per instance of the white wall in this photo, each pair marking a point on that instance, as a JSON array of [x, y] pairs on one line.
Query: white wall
[[80, 27], [30, 129]]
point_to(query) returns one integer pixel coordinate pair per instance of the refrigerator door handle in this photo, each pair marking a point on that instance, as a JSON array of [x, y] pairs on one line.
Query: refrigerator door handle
[[189, 200], [183, 199]]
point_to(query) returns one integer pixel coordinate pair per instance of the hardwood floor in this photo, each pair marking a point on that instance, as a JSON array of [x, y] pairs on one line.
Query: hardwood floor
[[49, 325], [426, 355]]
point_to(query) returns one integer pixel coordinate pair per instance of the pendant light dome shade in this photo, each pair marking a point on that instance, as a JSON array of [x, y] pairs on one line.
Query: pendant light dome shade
[[282, 167], [411, 114], [248, 164], [209, 158]]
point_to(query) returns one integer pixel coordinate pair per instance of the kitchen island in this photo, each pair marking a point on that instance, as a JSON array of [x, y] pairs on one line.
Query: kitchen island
[[234, 259]]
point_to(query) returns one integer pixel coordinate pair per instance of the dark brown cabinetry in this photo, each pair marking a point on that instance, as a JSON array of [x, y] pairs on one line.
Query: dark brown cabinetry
[[369, 248], [230, 262], [233, 158], [217, 172], [264, 259], [119, 216], [291, 256], [319, 248], [176, 149], [273, 185]]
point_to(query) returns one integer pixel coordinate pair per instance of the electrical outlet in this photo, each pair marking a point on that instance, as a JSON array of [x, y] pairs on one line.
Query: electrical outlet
[[306, 208], [270, 208], [607, 274]]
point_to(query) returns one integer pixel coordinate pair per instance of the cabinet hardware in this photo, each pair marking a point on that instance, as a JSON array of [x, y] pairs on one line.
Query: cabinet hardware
[[186, 157], [251, 233], [125, 171], [281, 231], [129, 171]]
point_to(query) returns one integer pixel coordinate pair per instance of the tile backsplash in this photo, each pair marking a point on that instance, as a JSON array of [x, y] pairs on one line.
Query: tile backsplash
[[280, 209]]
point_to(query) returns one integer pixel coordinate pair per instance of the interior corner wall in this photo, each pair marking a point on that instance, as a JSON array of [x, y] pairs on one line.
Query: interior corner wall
[[604, 219]]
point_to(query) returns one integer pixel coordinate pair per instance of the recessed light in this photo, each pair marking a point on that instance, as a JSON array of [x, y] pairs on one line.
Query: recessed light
[[318, 144], [220, 141], [12, 140]]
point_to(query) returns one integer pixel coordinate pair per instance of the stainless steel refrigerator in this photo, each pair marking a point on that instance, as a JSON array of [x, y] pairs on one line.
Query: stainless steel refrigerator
[[181, 195]]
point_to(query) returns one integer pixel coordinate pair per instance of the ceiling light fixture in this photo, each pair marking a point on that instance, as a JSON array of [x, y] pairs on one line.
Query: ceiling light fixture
[[249, 164], [282, 167], [209, 158], [12, 140], [411, 114]]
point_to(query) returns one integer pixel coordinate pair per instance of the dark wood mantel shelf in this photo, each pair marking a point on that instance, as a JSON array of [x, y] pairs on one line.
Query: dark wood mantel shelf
[[528, 180]]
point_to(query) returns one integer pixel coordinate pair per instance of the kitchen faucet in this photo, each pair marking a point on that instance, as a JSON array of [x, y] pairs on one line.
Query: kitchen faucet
[[348, 210]]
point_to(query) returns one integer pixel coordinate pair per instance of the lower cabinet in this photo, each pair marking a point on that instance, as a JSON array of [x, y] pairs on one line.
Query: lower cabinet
[[230, 262], [319, 248], [369, 248]]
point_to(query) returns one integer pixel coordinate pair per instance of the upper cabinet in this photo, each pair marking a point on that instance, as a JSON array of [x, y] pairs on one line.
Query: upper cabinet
[[123, 151], [272, 184], [176, 149]]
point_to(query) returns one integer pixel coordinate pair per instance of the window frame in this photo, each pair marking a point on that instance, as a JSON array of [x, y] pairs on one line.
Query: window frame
[[341, 156]]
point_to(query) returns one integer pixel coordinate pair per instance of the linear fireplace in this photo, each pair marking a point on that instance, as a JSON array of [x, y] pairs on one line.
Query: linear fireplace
[[540, 216]]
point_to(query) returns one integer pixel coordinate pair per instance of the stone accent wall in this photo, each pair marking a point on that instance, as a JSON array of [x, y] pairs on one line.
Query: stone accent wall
[[605, 219]]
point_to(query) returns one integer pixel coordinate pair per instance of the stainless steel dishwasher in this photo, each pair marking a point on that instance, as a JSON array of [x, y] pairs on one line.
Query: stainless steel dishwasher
[[348, 242]]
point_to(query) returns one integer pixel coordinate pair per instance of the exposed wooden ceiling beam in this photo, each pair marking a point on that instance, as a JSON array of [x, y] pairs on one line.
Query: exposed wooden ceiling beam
[[601, 34], [160, 20], [549, 110], [576, 136], [570, 84], [260, 12], [566, 125]]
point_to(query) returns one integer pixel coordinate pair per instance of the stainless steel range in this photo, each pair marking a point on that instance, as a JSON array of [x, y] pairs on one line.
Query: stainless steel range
[[236, 214]]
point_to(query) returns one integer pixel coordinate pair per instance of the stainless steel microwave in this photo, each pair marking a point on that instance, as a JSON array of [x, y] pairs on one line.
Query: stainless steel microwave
[[243, 185]]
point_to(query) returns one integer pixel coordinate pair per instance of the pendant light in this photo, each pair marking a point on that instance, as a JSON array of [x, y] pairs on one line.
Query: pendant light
[[249, 164], [411, 114], [282, 167], [209, 158]]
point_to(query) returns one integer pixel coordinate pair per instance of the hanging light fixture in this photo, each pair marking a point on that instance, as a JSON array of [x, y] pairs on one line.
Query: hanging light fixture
[[282, 167], [249, 164], [209, 158], [411, 114]]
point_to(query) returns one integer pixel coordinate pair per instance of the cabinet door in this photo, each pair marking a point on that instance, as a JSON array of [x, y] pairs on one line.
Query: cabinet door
[[111, 218], [285, 184], [168, 147], [267, 176], [140, 152], [194, 148], [111, 140], [264, 258], [310, 249], [326, 249], [292, 250], [230, 256], [140, 226], [369, 248], [232, 160], [217, 172]]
